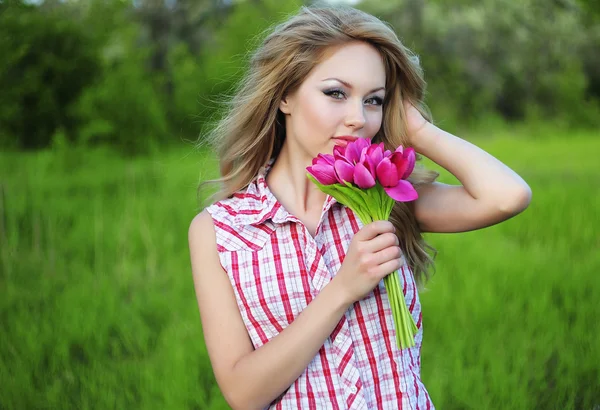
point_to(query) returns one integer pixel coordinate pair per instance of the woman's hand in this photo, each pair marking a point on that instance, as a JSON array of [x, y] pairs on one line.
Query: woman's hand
[[372, 255], [414, 120]]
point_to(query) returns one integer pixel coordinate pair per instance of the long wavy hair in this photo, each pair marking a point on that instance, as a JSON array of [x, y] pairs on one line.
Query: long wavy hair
[[252, 131]]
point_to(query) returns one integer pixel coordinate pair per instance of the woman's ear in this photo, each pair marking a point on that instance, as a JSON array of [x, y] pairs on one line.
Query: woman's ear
[[284, 105]]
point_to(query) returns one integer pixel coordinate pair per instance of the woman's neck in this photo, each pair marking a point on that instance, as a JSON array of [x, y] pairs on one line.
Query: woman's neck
[[299, 196]]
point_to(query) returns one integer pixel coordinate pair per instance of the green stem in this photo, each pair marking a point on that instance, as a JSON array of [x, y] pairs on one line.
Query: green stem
[[406, 317], [374, 204], [401, 334]]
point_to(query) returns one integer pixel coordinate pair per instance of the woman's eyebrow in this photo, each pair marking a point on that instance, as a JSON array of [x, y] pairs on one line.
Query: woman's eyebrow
[[350, 86]]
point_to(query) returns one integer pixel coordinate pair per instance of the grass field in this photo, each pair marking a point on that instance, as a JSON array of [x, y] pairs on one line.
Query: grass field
[[97, 308]]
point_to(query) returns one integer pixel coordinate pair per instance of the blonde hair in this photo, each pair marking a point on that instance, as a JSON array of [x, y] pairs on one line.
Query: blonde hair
[[253, 129]]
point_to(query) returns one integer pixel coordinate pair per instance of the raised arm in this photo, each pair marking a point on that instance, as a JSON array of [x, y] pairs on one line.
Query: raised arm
[[252, 379], [490, 192]]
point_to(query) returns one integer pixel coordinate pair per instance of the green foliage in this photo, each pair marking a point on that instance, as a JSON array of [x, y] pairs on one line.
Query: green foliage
[[521, 59], [123, 107], [509, 311], [97, 306], [137, 74], [591, 8], [225, 58], [187, 79], [47, 61]]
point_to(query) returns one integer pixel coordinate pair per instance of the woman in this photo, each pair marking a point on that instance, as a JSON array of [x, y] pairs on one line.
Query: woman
[[288, 282]]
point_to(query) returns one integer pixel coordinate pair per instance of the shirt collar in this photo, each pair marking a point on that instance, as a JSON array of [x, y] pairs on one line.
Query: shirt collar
[[262, 205]]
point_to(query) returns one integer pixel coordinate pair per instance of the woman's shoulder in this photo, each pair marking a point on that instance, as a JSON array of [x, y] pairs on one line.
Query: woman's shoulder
[[235, 209], [208, 229], [201, 231], [239, 222]]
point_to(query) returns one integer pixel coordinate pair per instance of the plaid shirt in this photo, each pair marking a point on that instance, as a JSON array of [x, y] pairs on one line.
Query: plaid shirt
[[276, 268]]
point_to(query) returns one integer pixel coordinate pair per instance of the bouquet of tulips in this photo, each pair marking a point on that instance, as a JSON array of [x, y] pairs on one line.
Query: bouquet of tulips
[[368, 179]]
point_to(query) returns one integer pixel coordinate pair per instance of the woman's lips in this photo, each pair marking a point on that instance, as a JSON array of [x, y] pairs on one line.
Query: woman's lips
[[344, 140]]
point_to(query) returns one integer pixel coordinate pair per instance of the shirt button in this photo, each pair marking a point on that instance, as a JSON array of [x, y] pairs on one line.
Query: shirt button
[[353, 389]]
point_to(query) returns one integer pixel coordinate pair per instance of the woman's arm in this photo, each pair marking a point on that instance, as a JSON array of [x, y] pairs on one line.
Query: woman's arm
[[490, 192], [248, 378]]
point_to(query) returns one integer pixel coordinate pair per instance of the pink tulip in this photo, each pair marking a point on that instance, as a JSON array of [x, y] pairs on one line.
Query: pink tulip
[[404, 159], [375, 153], [346, 159], [392, 172], [344, 171], [355, 148], [339, 151], [323, 158], [363, 177], [387, 173], [323, 170], [364, 164], [364, 171], [409, 154], [403, 191]]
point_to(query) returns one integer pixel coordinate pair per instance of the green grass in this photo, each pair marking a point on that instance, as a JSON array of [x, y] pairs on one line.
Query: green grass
[[97, 308]]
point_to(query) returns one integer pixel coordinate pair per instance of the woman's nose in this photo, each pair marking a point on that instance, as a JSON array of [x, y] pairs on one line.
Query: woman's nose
[[355, 117]]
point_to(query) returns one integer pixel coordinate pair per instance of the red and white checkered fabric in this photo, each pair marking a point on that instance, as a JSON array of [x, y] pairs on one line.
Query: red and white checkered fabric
[[276, 268]]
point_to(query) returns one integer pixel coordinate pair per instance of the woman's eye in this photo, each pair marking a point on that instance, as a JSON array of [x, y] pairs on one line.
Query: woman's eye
[[340, 94], [375, 101], [337, 94]]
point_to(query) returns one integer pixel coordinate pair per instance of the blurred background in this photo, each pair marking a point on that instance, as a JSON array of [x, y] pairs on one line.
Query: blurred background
[[101, 104]]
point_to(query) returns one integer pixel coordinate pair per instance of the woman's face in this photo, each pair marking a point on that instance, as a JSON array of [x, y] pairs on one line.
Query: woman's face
[[341, 97]]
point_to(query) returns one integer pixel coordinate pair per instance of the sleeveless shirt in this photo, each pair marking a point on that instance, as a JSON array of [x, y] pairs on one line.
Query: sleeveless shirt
[[276, 267]]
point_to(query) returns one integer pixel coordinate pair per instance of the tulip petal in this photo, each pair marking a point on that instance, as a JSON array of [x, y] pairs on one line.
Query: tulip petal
[[362, 143], [375, 153], [355, 148], [400, 163], [362, 177], [344, 171], [340, 156], [403, 192], [326, 158], [339, 151], [409, 155], [325, 174], [352, 153], [387, 173], [367, 161]]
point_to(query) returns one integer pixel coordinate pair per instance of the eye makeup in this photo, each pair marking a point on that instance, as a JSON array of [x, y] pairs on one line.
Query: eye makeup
[[338, 94]]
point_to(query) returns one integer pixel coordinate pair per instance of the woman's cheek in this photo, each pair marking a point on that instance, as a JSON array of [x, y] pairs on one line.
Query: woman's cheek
[[320, 112], [374, 123], [321, 123]]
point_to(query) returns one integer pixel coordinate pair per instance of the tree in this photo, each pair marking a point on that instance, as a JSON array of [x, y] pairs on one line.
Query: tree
[[46, 63]]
